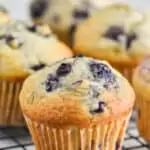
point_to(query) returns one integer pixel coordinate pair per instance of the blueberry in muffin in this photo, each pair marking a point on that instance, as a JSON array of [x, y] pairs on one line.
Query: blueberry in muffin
[[64, 16]]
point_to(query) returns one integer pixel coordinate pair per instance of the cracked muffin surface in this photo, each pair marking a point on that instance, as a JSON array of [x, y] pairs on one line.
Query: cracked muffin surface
[[64, 16], [114, 33], [26, 48], [76, 91]]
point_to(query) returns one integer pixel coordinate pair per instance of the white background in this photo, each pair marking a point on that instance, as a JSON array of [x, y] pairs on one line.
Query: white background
[[19, 8]]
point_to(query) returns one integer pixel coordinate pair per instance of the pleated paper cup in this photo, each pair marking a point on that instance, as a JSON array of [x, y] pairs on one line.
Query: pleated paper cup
[[10, 111], [103, 136], [143, 114]]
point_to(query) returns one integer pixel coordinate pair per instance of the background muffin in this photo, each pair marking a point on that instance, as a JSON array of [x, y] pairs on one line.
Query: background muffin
[[141, 82], [23, 50], [77, 103], [113, 34], [4, 18], [63, 16]]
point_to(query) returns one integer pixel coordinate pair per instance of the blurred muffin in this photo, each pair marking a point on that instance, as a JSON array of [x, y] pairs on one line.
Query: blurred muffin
[[63, 16], [141, 83], [114, 34], [4, 18], [76, 104], [23, 50]]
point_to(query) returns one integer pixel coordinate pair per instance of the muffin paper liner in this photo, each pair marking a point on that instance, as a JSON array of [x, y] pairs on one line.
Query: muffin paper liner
[[10, 111], [143, 116], [101, 137]]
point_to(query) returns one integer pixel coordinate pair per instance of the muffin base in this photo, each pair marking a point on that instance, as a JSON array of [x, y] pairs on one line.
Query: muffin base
[[143, 113], [103, 136], [10, 111]]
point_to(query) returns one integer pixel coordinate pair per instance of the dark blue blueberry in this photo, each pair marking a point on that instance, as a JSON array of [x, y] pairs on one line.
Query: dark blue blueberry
[[114, 32], [130, 39], [102, 71], [51, 83], [38, 8], [81, 14], [9, 38], [99, 70], [100, 108], [32, 28], [38, 67], [64, 69]]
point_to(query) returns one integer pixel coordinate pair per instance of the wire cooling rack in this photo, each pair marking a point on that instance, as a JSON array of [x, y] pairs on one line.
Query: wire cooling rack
[[132, 139], [19, 139]]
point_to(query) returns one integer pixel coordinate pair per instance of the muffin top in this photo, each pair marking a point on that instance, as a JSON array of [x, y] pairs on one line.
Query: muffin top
[[141, 77], [4, 18], [114, 34], [76, 91], [60, 13], [27, 48], [64, 15]]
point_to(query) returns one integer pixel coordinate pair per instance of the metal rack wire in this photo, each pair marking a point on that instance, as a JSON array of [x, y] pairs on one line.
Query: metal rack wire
[[19, 139], [132, 139]]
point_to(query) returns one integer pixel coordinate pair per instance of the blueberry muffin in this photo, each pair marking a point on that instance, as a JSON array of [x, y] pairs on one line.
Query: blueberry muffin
[[113, 34], [75, 104], [63, 16], [24, 49], [141, 83], [4, 17]]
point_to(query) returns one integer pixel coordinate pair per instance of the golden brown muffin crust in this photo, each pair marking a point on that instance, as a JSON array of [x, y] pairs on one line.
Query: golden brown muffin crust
[[116, 33], [25, 49], [78, 97]]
